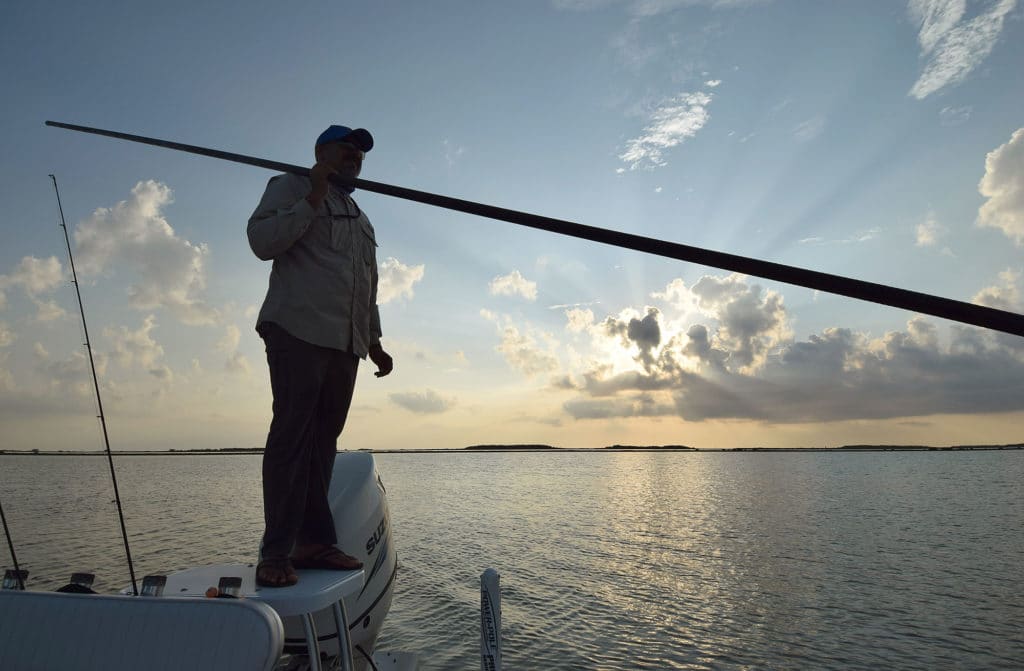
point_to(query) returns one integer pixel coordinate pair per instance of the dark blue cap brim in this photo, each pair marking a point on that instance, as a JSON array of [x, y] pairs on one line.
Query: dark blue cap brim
[[360, 137]]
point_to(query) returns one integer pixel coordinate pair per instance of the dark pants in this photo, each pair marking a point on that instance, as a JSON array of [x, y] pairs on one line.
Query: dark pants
[[312, 389]]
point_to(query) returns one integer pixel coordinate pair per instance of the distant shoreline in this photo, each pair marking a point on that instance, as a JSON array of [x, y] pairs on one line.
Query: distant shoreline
[[534, 448]]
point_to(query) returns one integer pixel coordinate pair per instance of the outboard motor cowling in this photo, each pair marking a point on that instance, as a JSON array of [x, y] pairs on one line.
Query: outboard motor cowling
[[361, 521]]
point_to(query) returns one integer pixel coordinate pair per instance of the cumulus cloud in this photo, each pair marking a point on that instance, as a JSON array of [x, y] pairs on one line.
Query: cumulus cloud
[[138, 348], [1004, 296], [73, 373], [397, 280], [424, 402], [238, 363], [951, 44], [6, 335], [1003, 186], [713, 83], [523, 349], [579, 320], [740, 361], [832, 376], [513, 284], [606, 408], [670, 125], [47, 311], [752, 321], [34, 276], [170, 272], [644, 334], [522, 352], [929, 231], [228, 343], [679, 296]]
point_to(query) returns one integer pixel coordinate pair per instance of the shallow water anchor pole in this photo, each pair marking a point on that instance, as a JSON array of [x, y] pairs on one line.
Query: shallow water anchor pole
[[915, 301], [490, 621]]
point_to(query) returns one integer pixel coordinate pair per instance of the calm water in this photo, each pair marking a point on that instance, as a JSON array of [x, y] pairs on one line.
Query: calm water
[[611, 561]]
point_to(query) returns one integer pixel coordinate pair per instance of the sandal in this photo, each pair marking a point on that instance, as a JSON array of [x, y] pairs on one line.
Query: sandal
[[330, 558], [276, 572]]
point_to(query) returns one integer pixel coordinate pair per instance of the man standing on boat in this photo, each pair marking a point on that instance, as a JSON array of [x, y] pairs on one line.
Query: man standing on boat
[[319, 318]]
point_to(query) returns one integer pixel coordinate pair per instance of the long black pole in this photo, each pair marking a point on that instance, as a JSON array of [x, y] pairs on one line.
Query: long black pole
[[967, 313], [10, 545], [96, 386]]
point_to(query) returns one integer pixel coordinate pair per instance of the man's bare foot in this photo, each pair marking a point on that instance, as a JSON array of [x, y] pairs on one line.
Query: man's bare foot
[[324, 557], [275, 572]]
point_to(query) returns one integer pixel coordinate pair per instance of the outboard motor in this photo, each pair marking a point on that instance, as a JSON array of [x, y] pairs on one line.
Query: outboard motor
[[363, 526]]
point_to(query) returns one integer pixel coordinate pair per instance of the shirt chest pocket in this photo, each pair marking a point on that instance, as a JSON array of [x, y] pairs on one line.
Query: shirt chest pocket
[[367, 240]]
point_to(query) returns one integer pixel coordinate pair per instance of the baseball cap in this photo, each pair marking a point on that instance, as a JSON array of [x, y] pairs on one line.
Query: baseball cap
[[360, 137]]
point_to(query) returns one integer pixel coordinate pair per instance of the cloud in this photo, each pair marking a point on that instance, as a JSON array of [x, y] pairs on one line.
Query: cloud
[[396, 280], [953, 46], [858, 237], [524, 354], [832, 376], [1005, 296], [724, 349], [138, 349], [6, 335], [807, 130], [1003, 185], [229, 341], [170, 272], [634, 49], [513, 284], [929, 231], [954, 116], [424, 402], [34, 276], [48, 311], [651, 7], [752, 321], [679, 296], [452, 153], [643, 333], [579, 320], [236, 361], [607, 408], [713, 83], [671, 124], [522, 350], [73, 373], [6, 380]]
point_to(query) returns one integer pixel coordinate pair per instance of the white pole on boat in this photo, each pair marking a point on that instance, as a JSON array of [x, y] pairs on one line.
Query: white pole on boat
[[490, 621]]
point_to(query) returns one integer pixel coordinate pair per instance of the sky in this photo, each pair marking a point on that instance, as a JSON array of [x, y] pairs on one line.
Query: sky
[[877, 140]]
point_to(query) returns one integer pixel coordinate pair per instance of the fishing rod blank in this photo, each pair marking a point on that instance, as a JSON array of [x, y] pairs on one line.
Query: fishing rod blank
[[96, 386], [915, 301], [10, 544]]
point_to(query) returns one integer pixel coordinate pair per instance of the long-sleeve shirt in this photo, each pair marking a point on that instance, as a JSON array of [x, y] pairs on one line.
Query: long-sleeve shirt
[[323, 283]]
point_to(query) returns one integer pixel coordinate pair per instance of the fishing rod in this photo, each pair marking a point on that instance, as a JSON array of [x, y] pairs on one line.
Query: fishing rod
[[10, 544], [96, 386], [915, 301]]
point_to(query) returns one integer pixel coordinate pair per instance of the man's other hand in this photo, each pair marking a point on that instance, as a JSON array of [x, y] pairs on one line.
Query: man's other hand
[[382, 360]]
